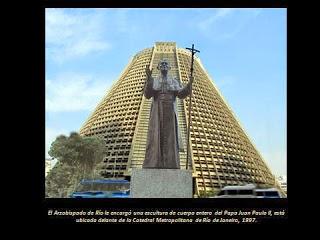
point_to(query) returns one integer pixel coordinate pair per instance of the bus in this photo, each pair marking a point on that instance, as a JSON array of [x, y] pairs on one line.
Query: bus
[[248, 191]]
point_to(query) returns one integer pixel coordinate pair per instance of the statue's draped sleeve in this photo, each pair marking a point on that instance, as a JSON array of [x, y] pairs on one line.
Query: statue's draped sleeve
[[148, 88], [184, 91]]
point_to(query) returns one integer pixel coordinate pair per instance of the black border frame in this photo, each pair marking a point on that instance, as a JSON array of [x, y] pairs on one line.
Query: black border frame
[[39, 73]]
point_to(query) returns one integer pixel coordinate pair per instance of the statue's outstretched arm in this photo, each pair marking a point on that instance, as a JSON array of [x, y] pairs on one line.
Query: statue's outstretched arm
[[148, 88]]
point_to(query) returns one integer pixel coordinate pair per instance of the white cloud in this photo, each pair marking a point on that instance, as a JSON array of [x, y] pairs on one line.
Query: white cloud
[[74, 92], [217, 15], [226, 23], [73, 34]]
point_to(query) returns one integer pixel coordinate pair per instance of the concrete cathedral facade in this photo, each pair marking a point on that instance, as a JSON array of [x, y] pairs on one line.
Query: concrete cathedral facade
[[221, 152]]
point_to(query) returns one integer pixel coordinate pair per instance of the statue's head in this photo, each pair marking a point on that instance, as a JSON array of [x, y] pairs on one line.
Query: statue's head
[[164, 65]]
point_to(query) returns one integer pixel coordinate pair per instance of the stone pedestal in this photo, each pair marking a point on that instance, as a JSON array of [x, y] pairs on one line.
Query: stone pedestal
[[161, 183]]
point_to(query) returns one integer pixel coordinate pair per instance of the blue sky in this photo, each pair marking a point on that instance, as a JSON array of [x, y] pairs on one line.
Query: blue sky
[[243, 50]]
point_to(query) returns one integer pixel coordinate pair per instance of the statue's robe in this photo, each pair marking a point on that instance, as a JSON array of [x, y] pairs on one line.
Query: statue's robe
[[164, 138]]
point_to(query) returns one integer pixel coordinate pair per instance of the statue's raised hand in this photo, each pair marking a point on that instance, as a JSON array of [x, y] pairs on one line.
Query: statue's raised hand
[[148, 72]]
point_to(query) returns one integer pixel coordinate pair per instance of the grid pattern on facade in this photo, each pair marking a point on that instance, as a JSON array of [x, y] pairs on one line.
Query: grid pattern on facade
[[222, 153]]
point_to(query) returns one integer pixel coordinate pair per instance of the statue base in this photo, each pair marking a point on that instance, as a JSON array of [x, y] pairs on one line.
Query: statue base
[[161, 183]]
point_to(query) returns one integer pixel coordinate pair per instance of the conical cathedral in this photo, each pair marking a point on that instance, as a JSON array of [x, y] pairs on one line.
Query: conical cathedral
[[221, 152]]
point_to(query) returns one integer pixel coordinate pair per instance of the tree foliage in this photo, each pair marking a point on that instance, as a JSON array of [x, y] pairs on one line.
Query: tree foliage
[[77, 158], [208, 193]]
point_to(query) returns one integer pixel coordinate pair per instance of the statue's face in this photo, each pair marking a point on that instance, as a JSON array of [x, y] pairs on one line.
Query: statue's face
[[164, 66]]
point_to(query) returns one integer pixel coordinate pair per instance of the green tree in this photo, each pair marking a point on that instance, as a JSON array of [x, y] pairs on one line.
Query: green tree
[[208, 193], [77, 158], [60, 181]]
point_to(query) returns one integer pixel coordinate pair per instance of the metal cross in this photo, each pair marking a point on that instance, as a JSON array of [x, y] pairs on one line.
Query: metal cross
[[193, 51]]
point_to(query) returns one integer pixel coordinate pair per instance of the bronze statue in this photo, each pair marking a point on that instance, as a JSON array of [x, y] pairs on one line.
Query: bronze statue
[[164, 138]]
